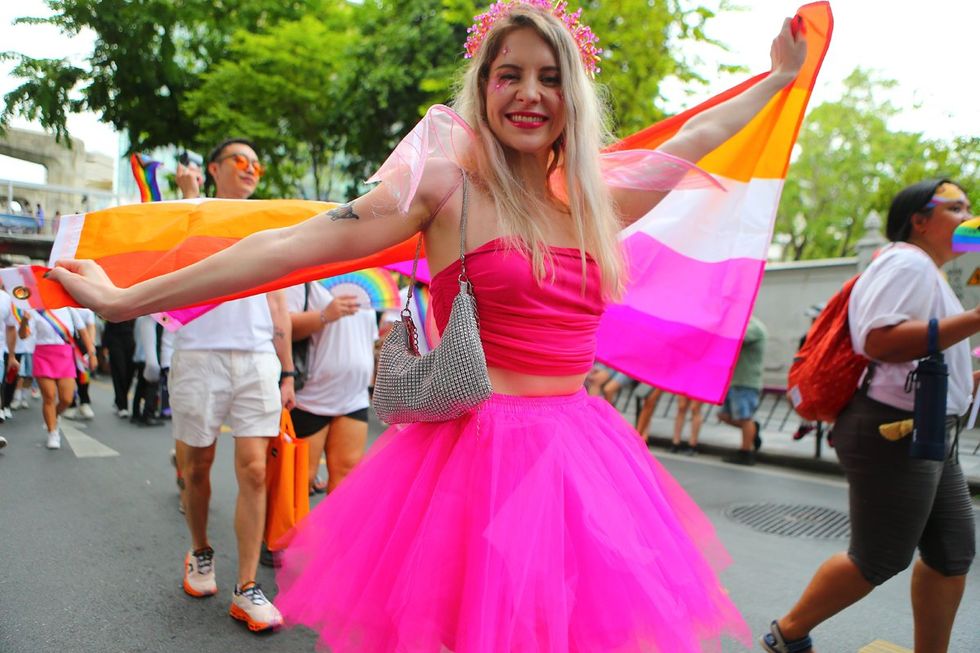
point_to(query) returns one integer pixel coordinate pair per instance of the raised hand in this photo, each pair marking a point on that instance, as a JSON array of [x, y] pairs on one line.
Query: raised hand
[[788, 51]]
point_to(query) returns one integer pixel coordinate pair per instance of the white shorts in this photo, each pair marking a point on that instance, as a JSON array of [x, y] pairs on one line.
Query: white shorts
[[211, 387]]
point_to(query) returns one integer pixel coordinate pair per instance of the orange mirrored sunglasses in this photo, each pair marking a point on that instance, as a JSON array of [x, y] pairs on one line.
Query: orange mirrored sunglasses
[[242, 162]]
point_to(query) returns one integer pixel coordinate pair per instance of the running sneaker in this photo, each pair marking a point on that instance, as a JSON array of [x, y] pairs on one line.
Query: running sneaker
[[123, 413], [199, 573], [250, 605], [54, 440], [7, 413], [71, 413], [86, 411]]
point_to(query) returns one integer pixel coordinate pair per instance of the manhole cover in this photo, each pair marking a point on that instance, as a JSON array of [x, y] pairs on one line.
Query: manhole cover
[[792, 521]]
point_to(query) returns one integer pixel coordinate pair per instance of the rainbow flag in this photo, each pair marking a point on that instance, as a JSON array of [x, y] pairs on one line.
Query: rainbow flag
[[19, 313], [696, 260], [966, 237], [376, 287], [145, 173]]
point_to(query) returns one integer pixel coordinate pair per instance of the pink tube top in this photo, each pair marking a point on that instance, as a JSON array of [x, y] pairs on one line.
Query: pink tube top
[[547, 329]]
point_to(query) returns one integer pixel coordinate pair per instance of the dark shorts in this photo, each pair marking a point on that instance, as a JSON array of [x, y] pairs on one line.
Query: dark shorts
[[899, 503], [307, 423]]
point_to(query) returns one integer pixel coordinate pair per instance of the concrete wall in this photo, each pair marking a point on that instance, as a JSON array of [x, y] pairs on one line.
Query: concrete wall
[[789, 288]]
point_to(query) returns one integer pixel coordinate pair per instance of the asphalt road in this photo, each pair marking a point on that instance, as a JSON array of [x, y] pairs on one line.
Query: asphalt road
[[91, 549]]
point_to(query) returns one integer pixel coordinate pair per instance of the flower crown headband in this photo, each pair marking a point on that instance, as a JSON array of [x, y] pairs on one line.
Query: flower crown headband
[[583, 35]]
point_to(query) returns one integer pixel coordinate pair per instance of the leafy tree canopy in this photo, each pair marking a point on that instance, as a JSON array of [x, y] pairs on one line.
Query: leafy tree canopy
[[319, 84], [849, 162]]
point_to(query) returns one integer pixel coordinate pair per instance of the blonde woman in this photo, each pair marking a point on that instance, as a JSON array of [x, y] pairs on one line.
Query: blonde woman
[[538, 522]]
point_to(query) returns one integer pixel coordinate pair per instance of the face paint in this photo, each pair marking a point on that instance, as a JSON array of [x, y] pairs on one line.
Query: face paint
[[945, 194]]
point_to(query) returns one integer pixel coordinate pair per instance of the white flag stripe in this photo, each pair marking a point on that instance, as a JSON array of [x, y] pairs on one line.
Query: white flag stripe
[[711, 226]]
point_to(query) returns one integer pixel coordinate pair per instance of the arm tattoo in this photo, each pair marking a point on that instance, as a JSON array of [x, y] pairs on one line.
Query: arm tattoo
[[343, 212], [279, 333]]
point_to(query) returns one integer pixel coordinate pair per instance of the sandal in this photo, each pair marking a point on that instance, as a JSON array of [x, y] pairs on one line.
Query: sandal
[[774, 642]]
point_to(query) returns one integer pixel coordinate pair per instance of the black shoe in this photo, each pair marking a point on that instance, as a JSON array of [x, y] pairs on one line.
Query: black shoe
[[740, 457], [676, 447], [148, 421], [692, 450], [267, 558], [757, 440]]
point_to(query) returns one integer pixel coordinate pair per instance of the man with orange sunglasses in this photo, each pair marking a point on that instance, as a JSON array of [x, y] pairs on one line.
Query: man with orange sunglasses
[[233, 365]]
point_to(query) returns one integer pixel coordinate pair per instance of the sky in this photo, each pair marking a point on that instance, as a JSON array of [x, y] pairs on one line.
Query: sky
[[929, 54]]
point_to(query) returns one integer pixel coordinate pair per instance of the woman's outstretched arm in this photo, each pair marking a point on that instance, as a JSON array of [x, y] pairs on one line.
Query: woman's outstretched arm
[[709, 129], [362, 227]]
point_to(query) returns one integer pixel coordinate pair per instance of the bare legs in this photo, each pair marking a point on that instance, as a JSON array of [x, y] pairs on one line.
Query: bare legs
[[345, 446], [195, 465], [646, 411], [56, 396], [839, 584], [683, 405]]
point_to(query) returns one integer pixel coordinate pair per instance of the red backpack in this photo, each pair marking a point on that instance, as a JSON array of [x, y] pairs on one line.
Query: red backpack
[[825, 372]]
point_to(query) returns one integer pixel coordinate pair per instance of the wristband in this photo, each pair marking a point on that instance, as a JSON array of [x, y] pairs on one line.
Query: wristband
[[288, 375]]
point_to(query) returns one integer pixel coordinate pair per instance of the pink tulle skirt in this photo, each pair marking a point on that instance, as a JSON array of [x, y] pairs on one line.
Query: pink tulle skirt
[[534, 525]]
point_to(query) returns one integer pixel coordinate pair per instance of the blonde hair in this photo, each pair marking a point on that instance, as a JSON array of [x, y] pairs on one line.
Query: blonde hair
[[575, 154]]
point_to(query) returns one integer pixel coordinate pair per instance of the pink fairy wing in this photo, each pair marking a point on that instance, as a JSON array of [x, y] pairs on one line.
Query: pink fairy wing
[[442, 133], [652, 170]]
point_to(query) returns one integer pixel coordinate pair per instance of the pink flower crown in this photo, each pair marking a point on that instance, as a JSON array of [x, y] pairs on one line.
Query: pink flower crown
[[583, 35]]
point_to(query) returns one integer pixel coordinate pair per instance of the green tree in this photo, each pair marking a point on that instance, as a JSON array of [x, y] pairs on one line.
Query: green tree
[[283, 90], [850, 162], [147, 56], [320, 84]]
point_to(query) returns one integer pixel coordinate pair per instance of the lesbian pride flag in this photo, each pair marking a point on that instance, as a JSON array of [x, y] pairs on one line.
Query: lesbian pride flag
[[696, 260]]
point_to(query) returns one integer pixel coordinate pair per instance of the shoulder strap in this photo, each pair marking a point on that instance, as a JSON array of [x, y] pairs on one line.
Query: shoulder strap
[[462, 250], [306, 296]]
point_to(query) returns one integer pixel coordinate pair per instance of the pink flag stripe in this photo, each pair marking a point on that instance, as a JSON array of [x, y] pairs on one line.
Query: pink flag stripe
[[694, 290], [668, 349]]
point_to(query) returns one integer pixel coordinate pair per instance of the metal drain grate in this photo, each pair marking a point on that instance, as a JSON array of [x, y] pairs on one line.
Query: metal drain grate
[[792, 521]]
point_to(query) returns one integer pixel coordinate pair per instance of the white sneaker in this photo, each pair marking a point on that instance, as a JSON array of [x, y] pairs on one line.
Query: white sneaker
[[7, 413], [54, 440], [17, 404], [3, 442], [71, 413], [123, 413], [251, 606], [86, 411], [199, 573]]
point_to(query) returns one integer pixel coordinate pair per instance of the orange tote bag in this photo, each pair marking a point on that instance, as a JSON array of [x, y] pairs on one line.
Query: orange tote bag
[[287, 481]]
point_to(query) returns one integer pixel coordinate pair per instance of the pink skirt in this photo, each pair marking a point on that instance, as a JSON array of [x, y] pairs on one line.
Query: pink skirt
[[54, 362], [534, 525]]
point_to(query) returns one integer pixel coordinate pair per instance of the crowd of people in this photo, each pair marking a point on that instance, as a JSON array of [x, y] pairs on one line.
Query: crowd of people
[[538, 522]]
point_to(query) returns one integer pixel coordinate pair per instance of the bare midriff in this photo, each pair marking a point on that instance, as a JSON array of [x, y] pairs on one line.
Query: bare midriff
[[509, 382]]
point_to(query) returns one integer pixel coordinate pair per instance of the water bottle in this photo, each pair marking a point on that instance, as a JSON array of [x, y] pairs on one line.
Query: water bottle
[[929, 380]]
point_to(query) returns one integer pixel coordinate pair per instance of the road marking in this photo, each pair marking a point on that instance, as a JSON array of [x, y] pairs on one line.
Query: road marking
[[881, 646], [85, 446]]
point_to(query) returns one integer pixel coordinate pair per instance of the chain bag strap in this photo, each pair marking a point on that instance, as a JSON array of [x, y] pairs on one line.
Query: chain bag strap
[[447, 382]]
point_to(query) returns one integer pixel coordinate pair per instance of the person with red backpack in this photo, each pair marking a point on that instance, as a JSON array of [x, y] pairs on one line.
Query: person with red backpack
[[898, 502]]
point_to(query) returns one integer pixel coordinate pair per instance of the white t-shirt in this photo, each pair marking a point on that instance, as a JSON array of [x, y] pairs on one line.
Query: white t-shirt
[[903, 284], [45, 334], [239, 325], [24, 345], [341, 357]]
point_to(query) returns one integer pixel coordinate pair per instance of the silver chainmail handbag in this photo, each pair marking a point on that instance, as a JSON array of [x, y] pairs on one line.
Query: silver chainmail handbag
[[449, 381]]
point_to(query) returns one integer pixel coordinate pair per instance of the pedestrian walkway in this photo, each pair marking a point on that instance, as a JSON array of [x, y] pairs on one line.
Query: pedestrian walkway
[[779, 422]]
